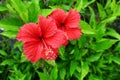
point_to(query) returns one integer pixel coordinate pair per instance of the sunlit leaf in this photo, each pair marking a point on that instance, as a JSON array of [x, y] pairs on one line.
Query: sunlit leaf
[[54, 73], [20, 9], [2, 52], [10, 26], [94, 57], [43, 76], [92, 21], [34, 8], [103, 44], [113, 33], [45, 12], [86, 28], [3, 8], [62, 73], [73, 66], [8, 62], [101, 10], [116, 60], [85, 70]]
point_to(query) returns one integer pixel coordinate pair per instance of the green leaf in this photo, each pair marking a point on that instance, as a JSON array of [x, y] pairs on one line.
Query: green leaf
[[107, 4], [85, 70], [117, 12], [116, 60], [34, 8], [101, 10], [62, 73], [103, 44], [62, 52], [43, 76], [45, 12], [77, 54], [92, 18], [3, 8], [54, 73], [94, 77], [2, 52], [117, 47], [100, 31], [87, 3], [11, 26], [21, 9], [18, 74], [113, 33], [86, 28], [82, 41], [73, 66], [113, 6], [9, 62], [23, 58], [109, 19], [83, 52], [51, 62], [13, 21], [94, 57], [81, 4], [73, 42], [11, 9]]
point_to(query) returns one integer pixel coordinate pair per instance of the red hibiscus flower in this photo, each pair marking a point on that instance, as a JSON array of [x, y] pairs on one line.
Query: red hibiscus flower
[[68, 22], [41, 40]]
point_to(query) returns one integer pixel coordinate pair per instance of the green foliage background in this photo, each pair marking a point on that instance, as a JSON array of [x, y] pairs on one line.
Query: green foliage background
[[95, 56]]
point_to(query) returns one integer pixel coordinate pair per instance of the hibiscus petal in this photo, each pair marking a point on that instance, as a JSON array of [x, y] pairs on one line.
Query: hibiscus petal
[[49, 54], [47, 25], [56, 40], [29, 32], [33, 50], [65, 43], [59, 16], [73, 33], [72, 20]]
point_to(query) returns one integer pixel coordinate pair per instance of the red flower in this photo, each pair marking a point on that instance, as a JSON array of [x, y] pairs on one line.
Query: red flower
[[41, 40], [68, 22]]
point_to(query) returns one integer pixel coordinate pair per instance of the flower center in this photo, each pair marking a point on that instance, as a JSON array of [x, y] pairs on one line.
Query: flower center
[[49, 53], [62, 24]]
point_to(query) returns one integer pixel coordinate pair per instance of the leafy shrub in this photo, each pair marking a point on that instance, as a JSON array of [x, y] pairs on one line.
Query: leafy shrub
[[95, 56]]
